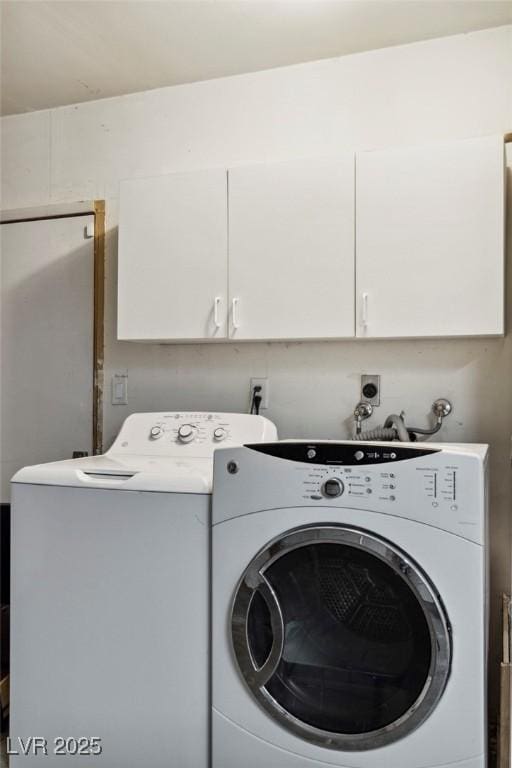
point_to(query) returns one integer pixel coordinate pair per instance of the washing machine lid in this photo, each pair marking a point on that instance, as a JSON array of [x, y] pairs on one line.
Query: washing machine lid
[[123, 473], [149, 455]]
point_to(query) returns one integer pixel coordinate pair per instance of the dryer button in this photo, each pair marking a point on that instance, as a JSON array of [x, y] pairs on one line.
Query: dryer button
[[333, 488]]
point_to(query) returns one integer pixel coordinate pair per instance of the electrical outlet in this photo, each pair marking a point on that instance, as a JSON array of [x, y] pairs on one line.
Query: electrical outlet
[[263, 383], [370, 389]]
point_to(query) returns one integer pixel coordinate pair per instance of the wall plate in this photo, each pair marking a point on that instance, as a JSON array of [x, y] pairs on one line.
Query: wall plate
[[370, 388], [120, 388], [263, 383]]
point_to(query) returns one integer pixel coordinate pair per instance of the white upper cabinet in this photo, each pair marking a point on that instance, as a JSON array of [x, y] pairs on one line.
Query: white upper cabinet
[[172, 280], [395, 243], [430, 240], [291, 250]]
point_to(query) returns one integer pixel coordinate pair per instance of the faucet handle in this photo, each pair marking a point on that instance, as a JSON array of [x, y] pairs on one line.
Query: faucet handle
[[362, 411]]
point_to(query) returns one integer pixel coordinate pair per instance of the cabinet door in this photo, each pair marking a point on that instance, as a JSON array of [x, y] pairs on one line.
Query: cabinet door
[[430, 240], [291, 250], [172, 280]]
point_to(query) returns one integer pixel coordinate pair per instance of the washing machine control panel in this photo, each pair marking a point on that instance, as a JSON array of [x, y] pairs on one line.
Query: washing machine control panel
[[198, 428], [189, 433]]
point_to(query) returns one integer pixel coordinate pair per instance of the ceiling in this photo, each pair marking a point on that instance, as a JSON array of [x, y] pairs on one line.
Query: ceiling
[[63, 52]]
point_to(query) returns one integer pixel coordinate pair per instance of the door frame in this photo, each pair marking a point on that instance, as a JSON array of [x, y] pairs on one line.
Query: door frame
[[95, 208]]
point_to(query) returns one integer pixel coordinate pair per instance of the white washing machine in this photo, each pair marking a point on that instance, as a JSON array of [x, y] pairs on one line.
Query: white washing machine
[[110, 596], [349, 606]]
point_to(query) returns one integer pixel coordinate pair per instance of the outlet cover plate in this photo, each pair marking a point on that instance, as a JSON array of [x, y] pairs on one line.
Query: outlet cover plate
[[120, 388], [263, 383], [370, 378]]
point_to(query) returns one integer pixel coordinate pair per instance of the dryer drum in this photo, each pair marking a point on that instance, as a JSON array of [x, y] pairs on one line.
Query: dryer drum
[[351, 595], [341, 637]]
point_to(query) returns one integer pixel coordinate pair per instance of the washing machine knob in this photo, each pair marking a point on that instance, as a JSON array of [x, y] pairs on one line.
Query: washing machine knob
[[332, 488], [156, 432], [219, 434], [359, 455], [186, 433]]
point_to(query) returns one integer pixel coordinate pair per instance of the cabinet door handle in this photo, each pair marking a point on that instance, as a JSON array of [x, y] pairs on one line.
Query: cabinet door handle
[[216, 305], [364, 310], [234, 314]]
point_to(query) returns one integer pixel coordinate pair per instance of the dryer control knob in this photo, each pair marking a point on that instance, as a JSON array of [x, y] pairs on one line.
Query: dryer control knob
[[156, 432], [219, 434], [359, 455], [186, 433], [332, 488]]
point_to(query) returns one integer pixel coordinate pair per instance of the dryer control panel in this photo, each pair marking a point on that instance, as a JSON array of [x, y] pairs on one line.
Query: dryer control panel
[[359, 471], [326, 483], [331, 453], [189, 433], [439, 484]]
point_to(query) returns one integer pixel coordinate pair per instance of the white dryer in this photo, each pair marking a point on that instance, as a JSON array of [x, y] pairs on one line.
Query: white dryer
[[110, 596], [349, 606]]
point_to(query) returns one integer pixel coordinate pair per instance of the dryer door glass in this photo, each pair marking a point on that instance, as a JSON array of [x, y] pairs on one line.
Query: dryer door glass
[[345, 640]]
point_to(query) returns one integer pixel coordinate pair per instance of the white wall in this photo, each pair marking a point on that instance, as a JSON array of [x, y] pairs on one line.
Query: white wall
[[448, 88]]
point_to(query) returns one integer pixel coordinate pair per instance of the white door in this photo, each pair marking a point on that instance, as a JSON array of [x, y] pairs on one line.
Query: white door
[[291, 250], [172, 280], [47, 320], [430, 240]]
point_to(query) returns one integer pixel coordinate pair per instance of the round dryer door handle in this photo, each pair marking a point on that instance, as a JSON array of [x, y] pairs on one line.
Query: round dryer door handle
[[265, 672], [256, 676]]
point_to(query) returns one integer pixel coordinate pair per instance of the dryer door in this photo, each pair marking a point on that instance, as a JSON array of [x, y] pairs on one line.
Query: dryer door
[[341, 637]]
